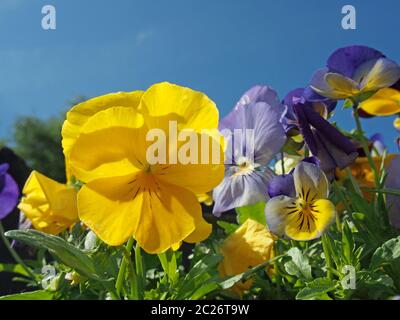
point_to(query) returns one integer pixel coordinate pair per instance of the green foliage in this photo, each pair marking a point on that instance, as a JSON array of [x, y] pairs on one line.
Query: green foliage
[[255, 212], [39, 143]]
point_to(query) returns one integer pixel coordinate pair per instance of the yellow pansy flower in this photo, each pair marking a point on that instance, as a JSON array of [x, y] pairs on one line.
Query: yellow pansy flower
[[80, 114], [310, 213], [384, 102], [49, 205], [125, 194], [249, 246]]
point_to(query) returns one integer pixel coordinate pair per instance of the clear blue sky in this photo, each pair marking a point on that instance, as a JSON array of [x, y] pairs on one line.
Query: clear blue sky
[[220, 47]]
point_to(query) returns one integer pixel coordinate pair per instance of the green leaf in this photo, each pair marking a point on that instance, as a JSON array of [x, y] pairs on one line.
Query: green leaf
[[195, 284], [388, 253], [255, 212], [67, 253], [34, 295], [229, 228], [348, 245], [298, 265], [15, 268], [316, 289]]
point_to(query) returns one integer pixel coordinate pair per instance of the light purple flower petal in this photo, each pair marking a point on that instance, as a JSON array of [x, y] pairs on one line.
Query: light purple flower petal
[[9, 194], [393, 182], [347, 60], [269, 135], [237, 191], [260, 93]]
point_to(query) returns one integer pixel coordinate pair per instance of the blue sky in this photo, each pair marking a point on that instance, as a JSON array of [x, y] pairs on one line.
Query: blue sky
[[219, 47]]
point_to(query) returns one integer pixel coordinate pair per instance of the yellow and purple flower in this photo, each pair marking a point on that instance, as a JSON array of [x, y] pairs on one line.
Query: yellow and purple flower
[[257, 117], [301, 210], [353, 71], [9, 192]]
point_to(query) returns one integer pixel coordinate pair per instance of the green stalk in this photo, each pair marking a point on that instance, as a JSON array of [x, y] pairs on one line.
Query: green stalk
[[282, 163], [328, 259], [364, 144], [122, 268], [14, 254], [141, 279]]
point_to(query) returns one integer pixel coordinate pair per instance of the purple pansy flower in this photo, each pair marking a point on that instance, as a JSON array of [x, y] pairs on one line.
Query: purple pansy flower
[[254, 135], [393, 182], [354, 70], [9, 192], [320, 104], [326, 142]]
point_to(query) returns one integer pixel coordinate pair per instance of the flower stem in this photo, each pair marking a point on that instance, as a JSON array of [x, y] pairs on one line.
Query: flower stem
[[364, 144], [14, 254], [122, 268], [282, 162], [141, 279]]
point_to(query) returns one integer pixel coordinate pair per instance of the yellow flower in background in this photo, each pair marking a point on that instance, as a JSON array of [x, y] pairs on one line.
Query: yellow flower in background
[[396, 123], [362, 172], [384, 102], [125, 195], [249, 246], [310, 213], [205, 198], [80, 114], [49, 205]]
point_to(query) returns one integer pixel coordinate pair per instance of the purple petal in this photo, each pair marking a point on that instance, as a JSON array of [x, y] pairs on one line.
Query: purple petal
[[4, 168], [236, 118], [260, 93], [331, 156], [8, 196], [237, 191], [305, 128], [347, 60], [329, 131], [282, 185], [269, 135], [313, 160]]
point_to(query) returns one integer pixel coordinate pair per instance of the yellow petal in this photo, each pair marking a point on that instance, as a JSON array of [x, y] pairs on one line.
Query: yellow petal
[[158, 216], [249, 246], [112, 143], [310, 223], [191, 109], [168, 216], [385, 102], [113, 216], [196, 177], [342, 86], [202, 231], [49, 205], [81, 113], [205, 198]]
